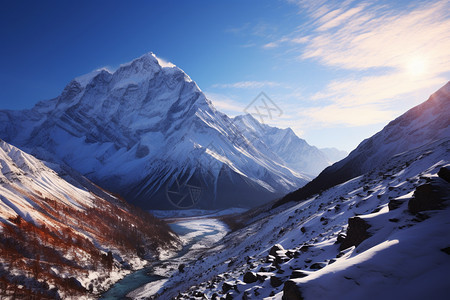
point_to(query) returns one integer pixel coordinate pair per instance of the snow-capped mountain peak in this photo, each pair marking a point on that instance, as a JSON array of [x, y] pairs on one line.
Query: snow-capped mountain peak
[[145, 126]]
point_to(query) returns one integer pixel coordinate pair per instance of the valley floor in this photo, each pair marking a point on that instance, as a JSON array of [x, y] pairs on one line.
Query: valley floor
[[197, 229]]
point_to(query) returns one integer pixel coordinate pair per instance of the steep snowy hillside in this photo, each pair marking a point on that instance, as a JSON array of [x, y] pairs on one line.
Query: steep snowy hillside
[[382, 235], [420, 125], [58, 240], [148, 132], [294, 151]]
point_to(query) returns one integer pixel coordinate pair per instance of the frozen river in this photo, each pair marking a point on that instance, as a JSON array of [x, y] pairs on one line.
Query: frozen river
[[196, 232]]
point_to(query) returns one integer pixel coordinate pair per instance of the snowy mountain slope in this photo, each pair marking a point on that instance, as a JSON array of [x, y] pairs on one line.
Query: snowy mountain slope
[[420, 125], [294, 151], [144, 129], [58, 240], [357, 240]]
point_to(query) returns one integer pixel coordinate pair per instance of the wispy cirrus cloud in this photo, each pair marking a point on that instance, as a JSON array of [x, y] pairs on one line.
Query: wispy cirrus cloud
[[375, 36], [247, 84], [387, 53]]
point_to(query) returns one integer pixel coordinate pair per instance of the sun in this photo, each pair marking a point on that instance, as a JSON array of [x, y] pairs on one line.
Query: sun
[[416, 66]]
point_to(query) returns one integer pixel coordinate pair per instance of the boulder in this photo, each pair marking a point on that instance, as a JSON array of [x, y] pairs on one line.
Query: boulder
[[275, 248], [298, 274], [250, 277], [291, 291], [444, 173], [181, 268], [318, 265], [227, 286], [394, 204], [275, 281], [356, 233], [429, 196]]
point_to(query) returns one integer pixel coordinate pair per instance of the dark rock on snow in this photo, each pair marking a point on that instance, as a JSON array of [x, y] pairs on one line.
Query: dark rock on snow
[[291, 291], [250, 277], [356, 233], [181, 268], [275, 281], [227, 286], [444, 173], [394, 204], [429, 196], [446, 250], [298, 274], [275, 248], [317, 266]]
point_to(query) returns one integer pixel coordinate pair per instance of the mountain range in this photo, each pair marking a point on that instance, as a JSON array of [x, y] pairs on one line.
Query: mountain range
[[147, 132], [372, 225]]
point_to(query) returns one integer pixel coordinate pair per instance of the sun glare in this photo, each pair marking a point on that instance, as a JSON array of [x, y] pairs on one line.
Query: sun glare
[[416, 66]]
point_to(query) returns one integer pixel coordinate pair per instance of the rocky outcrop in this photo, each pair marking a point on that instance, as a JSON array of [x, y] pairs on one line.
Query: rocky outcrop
[[250, 277], [444, 173], [275, 281], [228, 286], [298, 274], [291, 291], [395, 203], [356, 233], [430, 196], [275, 248], [318, 265]]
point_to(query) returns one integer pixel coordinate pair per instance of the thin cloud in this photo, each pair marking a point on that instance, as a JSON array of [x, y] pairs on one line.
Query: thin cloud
[[375, 89], [225, 104], [373, 37], [247, 85], [340, 18], [337, 114], [388, 54], [271, 45]]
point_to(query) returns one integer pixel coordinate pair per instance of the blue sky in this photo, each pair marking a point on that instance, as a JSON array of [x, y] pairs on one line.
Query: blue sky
[[338, 70]]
